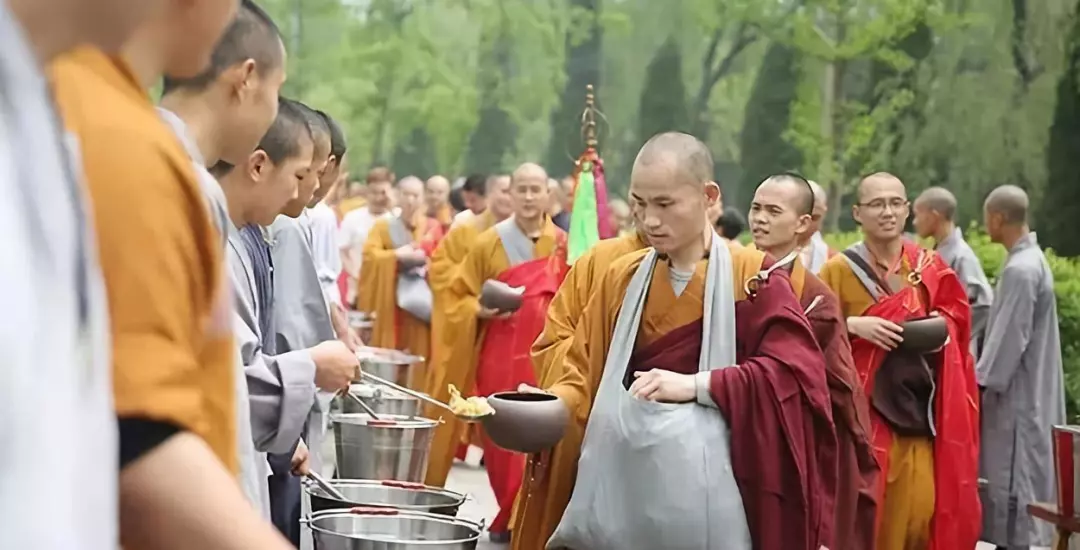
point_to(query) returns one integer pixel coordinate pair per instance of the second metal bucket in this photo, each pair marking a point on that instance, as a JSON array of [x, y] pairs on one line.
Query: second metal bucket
[[382, 400], [394, 447]]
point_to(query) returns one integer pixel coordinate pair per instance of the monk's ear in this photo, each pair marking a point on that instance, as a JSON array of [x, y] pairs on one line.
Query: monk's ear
[[712, 193], [802, 225], [258, 164]]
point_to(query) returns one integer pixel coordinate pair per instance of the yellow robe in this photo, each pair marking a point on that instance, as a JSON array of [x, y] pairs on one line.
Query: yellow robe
[[908, 506], [464, 335], [349, 204], [585, 353], [377, 294], [543, 500]]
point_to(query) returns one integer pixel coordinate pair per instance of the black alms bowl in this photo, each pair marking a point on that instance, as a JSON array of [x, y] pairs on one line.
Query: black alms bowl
[[924, 334], [500, 296], [526, 422]]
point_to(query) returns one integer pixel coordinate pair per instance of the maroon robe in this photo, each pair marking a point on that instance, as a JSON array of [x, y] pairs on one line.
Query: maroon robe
[[776, 403]]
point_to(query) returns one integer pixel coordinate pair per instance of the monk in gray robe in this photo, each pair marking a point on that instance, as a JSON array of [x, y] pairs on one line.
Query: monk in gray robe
[[935, 210], [1021, 375]]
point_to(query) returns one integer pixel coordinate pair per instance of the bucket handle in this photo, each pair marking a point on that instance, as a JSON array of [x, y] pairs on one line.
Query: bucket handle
[[403, 484], [373, 511]]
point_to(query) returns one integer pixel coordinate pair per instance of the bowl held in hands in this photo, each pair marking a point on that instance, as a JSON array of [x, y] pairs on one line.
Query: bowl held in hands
[[924, 334], [526, 422], [500, 296], [412, 261]]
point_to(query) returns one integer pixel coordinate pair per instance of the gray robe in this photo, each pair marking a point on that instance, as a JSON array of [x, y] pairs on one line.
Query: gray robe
[[954, 250], [253, 467], [301, 317], [1021, 372]]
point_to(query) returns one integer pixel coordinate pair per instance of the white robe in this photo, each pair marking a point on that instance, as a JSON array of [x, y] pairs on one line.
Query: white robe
[[1021, 370], [58, 471]]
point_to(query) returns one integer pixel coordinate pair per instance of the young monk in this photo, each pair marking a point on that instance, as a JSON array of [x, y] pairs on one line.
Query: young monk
[[780, 218], [400, 298], [172, 348], [929, 457], [814, 251], [695, 439], [437, 201], [441, 274], [525, 250], [549, 477]]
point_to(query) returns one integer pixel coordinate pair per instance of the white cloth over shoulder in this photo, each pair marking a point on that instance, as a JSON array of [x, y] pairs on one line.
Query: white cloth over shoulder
[[253, 467], [58, 472], [815, 253], [658, 475], [1021, 370]]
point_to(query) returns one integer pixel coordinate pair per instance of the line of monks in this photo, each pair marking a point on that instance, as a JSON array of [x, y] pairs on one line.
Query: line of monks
[[794, 362]]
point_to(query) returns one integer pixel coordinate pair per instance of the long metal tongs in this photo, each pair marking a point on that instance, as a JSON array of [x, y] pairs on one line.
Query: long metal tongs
[[421, 396]]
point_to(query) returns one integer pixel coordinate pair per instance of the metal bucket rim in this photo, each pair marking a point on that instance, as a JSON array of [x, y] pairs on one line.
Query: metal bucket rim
[[408, 514], [400, 421], [396, 485], [378, 392]]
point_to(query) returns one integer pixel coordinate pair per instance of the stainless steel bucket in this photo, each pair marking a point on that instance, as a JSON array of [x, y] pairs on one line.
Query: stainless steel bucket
[[394, 494], [394, 447], [390, 529], [393, 365], [382, 400]]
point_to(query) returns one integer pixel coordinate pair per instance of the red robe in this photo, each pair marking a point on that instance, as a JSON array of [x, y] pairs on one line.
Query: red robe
[[505, 362], [776, 402], [957, 509]]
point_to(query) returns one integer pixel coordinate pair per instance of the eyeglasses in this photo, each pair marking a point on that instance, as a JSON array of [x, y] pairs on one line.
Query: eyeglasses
[[877, 206]]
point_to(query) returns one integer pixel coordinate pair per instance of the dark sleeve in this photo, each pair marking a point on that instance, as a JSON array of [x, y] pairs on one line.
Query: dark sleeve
[[139, 436]]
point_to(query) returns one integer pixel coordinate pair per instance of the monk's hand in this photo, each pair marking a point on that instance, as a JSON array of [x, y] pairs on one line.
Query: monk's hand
[[664, 385], [525, 388], [335, 365], [880, 332], [488, 313], [300, 464]]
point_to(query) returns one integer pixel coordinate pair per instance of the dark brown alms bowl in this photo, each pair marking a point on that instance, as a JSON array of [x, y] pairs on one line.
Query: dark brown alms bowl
[[500, 296], [924, 334], [526, 422]]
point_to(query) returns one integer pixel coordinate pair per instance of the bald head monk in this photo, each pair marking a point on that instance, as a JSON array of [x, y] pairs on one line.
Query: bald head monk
[[396, 250], [813, 250], [437, 200], [654, 360], [489, 347], [935, 217], [780, 217], [928, 485]]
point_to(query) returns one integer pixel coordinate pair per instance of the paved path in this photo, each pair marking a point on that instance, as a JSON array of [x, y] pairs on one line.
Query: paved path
[[472, 480]]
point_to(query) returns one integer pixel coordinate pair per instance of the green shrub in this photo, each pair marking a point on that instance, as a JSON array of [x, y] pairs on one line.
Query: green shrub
[[1066, 286]]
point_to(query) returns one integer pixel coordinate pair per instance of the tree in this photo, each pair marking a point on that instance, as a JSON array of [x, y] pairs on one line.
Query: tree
[[1061, 200], [768, 113], [582, 68], [663, 98], [415, 155]]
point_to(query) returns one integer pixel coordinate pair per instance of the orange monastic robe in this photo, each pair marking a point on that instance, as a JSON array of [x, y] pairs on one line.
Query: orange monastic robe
[[444, 215], [377, 290], [549, 481], [348, 205], [465, 334], [444, 267]]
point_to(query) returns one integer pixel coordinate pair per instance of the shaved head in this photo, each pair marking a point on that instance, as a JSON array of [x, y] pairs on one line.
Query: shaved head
[[875, 180], [940, 200], [497, 196], [439, 183], [796, 191], [530, 171], [411, 183], [882, 208], [687, 155], [821, 200], [410, 195], [436, 194], [1011, 202]]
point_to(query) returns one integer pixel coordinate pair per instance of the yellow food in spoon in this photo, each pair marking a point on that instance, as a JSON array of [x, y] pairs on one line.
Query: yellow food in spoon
[[471, 407]]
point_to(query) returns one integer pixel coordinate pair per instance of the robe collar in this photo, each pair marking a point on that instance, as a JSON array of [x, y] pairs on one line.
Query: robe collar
[[1024, 243]]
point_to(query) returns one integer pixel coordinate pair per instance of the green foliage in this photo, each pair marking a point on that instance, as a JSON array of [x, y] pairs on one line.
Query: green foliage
[[1061, 203], [1066, 287], [764, 149], [582, 69], [663, 99]]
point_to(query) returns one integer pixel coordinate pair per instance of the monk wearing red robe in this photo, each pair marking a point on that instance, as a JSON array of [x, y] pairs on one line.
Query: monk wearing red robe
[[695, 439], [924, 417], [780, 217], [525, 250]]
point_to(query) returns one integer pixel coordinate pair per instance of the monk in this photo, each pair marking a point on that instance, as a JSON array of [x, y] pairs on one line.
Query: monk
[[929, 457], [437, 201], [814, 251], [693, 435], [441, 273], [549, 478], [395, 254], [526, 250], [780, 218]]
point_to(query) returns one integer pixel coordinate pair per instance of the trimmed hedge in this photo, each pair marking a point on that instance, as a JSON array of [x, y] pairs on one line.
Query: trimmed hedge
[[1066, 285]]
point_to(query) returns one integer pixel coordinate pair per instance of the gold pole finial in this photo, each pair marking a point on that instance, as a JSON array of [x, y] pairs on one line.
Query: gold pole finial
[[588, 118]]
